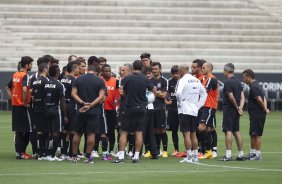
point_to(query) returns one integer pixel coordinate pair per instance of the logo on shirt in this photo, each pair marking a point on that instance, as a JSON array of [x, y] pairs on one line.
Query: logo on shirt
[[50, 85], [159, 85], [16, 80]]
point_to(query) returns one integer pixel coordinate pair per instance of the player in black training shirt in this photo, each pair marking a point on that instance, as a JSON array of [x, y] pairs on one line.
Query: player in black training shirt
[[172, 113], [38, 105], [159, 107], [257, 108], [67, 81], [134, 89], [232, 109], [55, 103], [88, 91]]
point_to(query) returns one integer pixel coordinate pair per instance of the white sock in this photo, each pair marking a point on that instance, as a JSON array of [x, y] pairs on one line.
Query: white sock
[[136, 155], [252, 151], [257, 152], [189, 154], [240, 154], [228, 154], [121, 155], [214, 149], [195, 153]]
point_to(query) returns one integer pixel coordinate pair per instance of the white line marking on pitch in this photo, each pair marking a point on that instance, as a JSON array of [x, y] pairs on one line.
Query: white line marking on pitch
[[242, 168]]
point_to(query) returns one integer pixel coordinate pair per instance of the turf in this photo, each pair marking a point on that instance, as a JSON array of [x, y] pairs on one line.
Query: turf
[[164, 170]]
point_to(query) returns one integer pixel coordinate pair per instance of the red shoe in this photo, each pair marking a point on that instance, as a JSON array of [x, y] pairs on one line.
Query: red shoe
[[175, 153], [26, 156], [200, 155], [183, 154]]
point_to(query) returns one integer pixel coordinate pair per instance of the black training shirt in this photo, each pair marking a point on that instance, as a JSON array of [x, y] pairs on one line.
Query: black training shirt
[[88, 88], [171, 93], [255, 91], [161, 85], [38, 92], [231, 85], [135, 87], [67, 81], [54, 91]]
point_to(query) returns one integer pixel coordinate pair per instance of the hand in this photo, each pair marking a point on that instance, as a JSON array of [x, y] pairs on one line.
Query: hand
[[66, 120], [267, 111], [240, 111], [168, 101], [85, 108], [26, 105]]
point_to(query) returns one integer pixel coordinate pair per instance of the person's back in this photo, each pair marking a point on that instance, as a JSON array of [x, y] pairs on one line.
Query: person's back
[[135, 87], [255, 90], [88, 87], [231, 85]]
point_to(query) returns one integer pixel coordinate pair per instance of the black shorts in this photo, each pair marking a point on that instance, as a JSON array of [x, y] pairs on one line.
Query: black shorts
[[230, 120], [172, 120], [54, 119], [120, 118], [111, 119], [207, 116], [87, 123], [41, 124], [187, 123], [71, 114], [103, 128], [160, 118], [257, 121], [134, 119], [21, 121]]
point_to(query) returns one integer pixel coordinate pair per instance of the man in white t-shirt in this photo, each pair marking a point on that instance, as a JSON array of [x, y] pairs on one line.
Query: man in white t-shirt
[[191, 96]]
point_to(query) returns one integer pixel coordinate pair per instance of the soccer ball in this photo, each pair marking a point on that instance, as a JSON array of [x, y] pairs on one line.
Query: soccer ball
[[150, 97]]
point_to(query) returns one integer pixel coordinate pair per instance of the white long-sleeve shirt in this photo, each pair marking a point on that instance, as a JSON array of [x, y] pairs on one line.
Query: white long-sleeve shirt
[[190, 94]]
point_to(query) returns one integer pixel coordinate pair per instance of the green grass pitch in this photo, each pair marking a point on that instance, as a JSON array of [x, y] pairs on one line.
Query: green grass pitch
[[164, 170]]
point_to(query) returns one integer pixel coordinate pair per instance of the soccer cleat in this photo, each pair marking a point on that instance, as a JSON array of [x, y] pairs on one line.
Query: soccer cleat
[[63, 157], [207, 155], [226, 159], [175, 153], [186, 160], [106, 157], [155, 157], [118, 161], [26, 156], [250, 155], [35, 156], [195, 160], [40, 158], [241, 158], [80, 156], [200, 154], [53, 159], [95, 154], [183, 154], [256, 157], [135, 161], [89, 160], [165, 155], [74, 160], [214, 154], [147, 155]]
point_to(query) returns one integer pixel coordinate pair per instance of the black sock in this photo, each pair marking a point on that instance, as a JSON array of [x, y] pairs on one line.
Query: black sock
[[70, 146], [164, 141], [158, 141], [33, 141], [63, 143], [207, 141], [112, 140], [97, 141], [131, 142], [56, 141], [175, 140], [214, 138], [25, 141], [104, 144], [40, 145]]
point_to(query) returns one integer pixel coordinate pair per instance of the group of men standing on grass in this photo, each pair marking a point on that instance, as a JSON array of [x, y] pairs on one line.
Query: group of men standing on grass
[[54, 109]]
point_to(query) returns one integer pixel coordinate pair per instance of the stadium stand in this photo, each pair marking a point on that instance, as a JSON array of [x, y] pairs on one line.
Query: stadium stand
[[245, 32]]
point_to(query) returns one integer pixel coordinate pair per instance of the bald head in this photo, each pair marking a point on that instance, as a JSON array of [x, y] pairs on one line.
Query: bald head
[[207, 68], [183, 69]]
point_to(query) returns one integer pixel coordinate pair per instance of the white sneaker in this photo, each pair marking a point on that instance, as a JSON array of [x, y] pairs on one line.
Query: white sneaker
[[94, 154], [40, 158], [64, 157], [186, 160], [195, 160], [214, 154], [80, 156], [161, 153], [58, 159], [46, 158]]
